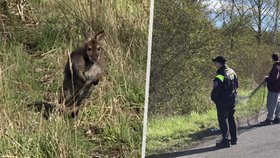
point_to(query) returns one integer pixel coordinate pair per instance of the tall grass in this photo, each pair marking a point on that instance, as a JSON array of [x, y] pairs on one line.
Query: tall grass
[[1, 84], [32, 60]]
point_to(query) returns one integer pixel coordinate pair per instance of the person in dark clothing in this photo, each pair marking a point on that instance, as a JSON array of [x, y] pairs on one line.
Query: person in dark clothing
[[224, 96], [273, 96]]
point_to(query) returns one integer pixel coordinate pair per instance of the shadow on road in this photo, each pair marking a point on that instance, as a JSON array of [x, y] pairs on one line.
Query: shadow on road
[[185, 153], [199, 136]]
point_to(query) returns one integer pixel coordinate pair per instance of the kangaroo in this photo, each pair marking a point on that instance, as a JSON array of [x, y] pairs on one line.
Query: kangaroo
[[83, 71]]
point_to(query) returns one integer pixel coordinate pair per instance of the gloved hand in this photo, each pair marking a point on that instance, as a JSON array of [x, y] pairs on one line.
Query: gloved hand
[[265, 78]]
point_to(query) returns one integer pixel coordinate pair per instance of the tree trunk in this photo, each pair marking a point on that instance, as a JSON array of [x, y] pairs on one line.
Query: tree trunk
[[259, 24], [275, 27]]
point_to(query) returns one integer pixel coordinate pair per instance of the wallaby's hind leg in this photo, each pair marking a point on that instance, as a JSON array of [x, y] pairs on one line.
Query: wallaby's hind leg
[[84, 94], [68, 97], [81, 98], [44, 107], [75, 111]]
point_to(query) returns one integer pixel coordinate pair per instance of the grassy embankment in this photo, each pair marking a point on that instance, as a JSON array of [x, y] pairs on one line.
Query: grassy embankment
[[32, 56], [175, 132]]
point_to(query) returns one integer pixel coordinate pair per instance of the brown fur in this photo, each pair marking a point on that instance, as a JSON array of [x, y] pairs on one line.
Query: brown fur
[[83, 71]]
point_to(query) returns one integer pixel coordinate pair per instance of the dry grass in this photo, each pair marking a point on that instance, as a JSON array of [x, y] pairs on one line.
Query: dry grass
[[32, 60]]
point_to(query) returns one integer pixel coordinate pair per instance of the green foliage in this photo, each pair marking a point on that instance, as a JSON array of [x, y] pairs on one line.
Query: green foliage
[[182, 41], [185, 41]]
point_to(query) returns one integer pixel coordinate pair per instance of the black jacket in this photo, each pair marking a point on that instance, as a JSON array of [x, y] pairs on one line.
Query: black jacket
[[273, 84], [224, 90]]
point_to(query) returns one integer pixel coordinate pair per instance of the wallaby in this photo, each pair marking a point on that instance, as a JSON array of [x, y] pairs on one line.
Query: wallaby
[[84, 69]]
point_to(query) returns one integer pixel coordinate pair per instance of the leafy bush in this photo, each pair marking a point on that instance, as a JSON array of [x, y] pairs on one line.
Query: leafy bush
[[184, 42]]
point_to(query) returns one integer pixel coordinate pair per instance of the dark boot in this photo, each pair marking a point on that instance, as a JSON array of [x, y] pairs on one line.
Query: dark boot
[[276, 120], [266, 122], [233, 141], [224, 143]]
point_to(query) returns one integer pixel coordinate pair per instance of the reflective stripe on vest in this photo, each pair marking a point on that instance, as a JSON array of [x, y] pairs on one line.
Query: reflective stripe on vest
[[220, 77], [230, 73]]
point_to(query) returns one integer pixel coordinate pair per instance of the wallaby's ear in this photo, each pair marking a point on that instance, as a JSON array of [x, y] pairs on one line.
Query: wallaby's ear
[[100, 36], [88, 37]]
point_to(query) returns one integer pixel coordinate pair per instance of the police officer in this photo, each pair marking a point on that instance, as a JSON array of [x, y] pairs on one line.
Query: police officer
[[224, 96]]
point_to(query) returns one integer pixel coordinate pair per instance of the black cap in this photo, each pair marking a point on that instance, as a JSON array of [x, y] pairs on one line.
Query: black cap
[[275, 57], [220, 59]]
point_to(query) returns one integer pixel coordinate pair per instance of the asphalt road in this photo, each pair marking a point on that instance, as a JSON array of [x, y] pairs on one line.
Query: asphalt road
[[256, 142]]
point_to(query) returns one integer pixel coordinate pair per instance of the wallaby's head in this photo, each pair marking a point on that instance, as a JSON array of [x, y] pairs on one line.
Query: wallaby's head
[[93, 46]]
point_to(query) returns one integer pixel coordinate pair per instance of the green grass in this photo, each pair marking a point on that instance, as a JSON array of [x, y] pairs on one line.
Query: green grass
[[175, 132], [110, 124], [39, 138], [167, 133]]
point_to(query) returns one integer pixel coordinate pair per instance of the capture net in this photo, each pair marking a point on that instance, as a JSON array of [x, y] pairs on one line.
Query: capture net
[[253, 103]]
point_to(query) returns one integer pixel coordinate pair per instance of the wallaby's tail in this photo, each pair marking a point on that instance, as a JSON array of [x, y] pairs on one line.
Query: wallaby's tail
[[44, 107]]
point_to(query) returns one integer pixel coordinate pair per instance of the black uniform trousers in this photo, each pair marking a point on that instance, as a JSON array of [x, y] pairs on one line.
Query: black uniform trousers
[[227, 121]]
